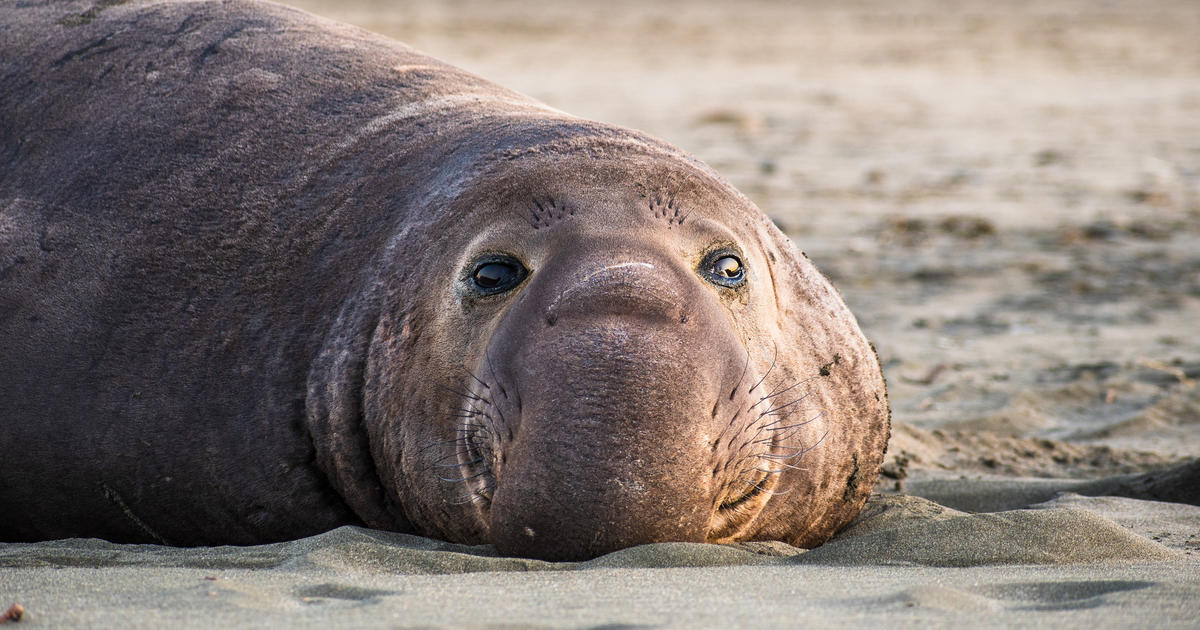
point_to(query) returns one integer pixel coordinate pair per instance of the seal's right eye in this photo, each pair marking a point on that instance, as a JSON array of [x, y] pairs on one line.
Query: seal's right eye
[[497, 274], [724, 268]]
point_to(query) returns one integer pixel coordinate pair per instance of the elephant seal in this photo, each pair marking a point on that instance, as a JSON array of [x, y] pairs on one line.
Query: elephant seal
[[263, 274]]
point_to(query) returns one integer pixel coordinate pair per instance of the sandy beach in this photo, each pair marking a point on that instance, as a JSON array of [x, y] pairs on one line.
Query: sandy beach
[[1006, 194], [1073, 562]]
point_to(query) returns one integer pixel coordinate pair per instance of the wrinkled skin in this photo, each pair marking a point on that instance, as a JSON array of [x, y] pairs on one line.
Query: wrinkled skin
[[239, 303]]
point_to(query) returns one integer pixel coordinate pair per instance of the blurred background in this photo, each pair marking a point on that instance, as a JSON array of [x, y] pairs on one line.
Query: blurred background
[[1007, 193]]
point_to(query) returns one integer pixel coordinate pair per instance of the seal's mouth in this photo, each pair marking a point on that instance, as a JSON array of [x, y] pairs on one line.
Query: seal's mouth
[[754, 488], [477, 456], [743, 498], [478, 451], [761, 450]]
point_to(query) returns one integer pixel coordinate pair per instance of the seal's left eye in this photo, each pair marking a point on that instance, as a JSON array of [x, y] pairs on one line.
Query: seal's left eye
[[728, 267], [497, 275], [725, 269]]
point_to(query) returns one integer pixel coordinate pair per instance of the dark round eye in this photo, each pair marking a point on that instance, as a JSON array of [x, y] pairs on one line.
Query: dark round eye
[[725, 269], [497, 275], [728, 267]]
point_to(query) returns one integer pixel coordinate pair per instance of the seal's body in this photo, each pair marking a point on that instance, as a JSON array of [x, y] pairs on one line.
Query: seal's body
[[263, 274]]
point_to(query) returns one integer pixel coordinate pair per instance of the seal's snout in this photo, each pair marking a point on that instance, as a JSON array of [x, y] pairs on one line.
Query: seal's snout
[[637, 288], [613, 443], [607, 452]]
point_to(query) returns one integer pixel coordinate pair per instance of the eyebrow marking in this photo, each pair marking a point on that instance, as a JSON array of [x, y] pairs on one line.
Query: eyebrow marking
[[546, 212], [666, 207]]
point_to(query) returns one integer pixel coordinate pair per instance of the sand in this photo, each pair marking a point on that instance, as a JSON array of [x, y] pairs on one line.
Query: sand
[[1008, 197], [1074, 561]]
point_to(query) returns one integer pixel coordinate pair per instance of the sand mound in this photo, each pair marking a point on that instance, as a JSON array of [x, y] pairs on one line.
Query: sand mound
[[1048, 536], [1175, 525]]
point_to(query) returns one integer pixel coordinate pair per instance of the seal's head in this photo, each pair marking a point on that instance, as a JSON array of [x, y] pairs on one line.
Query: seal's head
[[625, 350]]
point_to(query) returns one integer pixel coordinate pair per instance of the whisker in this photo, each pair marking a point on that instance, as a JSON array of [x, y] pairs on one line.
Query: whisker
[[774, 357], [446, 457], [776, 471], [458, 465], [487, 356], [783, 406], [436, 444], [791, 430], [467, 430], [474, 497], [472, 375], [789, 427], [818, 442], [782, 391], [791, 453], [737, 414], [458, 393], [461, 479], [781, 439], [772, 425], [801, 450], [745, 368]]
